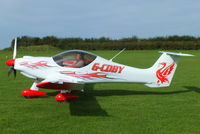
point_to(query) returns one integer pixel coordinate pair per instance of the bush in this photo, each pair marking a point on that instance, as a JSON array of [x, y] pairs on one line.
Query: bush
[[134, 43]]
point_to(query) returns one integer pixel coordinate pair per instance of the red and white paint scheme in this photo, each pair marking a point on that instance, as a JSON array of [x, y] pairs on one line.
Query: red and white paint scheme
[[66, 70]]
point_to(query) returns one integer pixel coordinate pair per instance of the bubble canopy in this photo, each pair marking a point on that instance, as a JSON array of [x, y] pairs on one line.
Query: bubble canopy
[[74, 58]]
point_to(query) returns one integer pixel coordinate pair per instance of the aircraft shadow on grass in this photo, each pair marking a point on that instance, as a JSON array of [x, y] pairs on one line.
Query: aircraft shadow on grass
[[87, 105], [193, 88]]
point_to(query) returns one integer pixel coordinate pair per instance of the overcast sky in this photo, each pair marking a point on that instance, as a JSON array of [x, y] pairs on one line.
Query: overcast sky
[[97, 18]]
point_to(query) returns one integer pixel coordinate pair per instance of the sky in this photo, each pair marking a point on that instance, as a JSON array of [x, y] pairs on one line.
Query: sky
[[97, 18]]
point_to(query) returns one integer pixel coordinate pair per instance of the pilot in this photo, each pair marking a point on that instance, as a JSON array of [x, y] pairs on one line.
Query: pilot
[[79, 61]]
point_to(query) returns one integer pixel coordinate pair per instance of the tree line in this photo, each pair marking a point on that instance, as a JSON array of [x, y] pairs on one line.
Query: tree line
[[132, 43]]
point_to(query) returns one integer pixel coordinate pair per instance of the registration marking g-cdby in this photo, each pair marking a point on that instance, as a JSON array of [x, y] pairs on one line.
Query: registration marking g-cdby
[[107, 68]]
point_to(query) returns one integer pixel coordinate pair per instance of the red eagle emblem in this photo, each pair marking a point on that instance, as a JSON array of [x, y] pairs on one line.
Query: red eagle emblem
[[164, 71]]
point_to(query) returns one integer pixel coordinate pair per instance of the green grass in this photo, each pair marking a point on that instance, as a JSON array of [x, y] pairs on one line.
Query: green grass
[[108, 109]]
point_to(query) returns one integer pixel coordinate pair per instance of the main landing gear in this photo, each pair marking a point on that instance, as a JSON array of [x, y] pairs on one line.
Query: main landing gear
[[64, 95]]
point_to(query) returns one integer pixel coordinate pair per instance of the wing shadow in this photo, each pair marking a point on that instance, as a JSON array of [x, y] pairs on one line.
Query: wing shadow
[[86, 105]]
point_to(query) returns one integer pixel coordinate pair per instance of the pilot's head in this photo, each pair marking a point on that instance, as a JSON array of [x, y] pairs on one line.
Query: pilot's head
[[79, 56]]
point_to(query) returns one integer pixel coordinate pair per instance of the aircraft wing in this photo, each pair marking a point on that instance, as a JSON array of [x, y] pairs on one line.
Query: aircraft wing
[[66, 79], [63, 79], [59, 82]]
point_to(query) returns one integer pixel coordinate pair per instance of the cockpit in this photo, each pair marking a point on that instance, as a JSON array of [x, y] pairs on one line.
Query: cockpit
[[74, 58]]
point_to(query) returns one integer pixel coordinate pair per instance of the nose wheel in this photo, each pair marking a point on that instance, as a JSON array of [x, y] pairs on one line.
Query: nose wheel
[[28, 93], [33, 91]]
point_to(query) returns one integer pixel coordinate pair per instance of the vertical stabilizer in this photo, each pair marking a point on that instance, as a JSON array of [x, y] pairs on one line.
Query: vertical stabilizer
[[164, 68]]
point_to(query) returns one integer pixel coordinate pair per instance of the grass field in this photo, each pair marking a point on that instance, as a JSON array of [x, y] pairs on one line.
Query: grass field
[[109, 108]]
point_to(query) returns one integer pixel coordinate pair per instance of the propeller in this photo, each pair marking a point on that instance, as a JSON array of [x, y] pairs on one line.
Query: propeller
[[10, 70], [11, 62], [15, 49]]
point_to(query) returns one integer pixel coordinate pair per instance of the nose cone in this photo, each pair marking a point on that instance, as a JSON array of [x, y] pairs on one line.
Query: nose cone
[[10, 62]]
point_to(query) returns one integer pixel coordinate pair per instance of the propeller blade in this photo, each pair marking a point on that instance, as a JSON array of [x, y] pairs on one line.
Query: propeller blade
[[15, 73], [15, 49], [11, 62], [10, 70]]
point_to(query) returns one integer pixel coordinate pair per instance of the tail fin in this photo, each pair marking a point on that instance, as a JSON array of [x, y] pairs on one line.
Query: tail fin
[[164, 68]]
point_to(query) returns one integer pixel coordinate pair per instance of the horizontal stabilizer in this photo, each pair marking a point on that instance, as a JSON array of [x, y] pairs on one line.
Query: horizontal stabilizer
[[156, 85], [177, 54]]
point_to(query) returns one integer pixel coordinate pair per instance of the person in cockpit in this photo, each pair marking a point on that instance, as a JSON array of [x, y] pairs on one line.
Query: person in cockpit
[[79, 61]]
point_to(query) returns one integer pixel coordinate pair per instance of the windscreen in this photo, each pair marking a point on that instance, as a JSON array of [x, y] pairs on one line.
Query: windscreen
[[74, 58]]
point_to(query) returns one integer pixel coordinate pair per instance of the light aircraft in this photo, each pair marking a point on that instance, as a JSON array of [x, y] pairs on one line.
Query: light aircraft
[[70, 69]]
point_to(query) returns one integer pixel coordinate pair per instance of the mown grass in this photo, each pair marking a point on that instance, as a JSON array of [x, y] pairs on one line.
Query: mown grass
[[116, 108]]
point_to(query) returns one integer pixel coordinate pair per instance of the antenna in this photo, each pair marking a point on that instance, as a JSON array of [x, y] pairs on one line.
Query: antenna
[[117, 54]]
